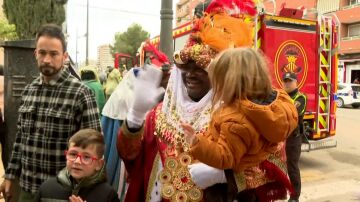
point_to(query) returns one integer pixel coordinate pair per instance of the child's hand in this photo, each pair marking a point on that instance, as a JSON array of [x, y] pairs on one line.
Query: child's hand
[[74, 198], [189, 132]]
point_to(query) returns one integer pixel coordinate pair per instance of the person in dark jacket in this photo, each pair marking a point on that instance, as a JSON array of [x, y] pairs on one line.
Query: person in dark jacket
[[84, 177], [294, 141]]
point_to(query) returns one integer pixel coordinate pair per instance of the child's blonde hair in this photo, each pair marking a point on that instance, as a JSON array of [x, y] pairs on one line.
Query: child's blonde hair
[[239, 73]]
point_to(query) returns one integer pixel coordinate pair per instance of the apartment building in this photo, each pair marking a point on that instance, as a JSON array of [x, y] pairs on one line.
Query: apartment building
[[104, 57], [184, 10]]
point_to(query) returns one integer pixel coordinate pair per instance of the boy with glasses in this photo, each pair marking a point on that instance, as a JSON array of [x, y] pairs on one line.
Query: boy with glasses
[[83, 178]]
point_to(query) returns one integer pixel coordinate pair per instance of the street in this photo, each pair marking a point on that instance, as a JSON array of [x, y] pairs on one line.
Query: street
[[332, 175]]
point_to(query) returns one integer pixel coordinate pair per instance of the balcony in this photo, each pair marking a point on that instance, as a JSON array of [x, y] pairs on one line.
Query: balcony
[[182, 13], [349, 15], [349, 45], [349, 38], [351, 6]]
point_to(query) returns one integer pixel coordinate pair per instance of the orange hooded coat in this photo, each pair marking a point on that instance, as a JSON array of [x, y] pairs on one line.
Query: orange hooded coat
[[244, 134]]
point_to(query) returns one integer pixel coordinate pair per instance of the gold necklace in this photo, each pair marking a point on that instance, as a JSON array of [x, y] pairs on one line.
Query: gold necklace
[[169, 133]]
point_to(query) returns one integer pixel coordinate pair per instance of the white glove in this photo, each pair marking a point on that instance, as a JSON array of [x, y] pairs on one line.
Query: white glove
[[205, 176], [146, 94]]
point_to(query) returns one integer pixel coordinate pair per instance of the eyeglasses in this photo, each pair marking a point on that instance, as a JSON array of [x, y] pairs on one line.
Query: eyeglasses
[[84, 158]]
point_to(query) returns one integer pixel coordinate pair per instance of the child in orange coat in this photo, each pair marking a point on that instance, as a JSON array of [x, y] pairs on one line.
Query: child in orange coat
[[251, 118]]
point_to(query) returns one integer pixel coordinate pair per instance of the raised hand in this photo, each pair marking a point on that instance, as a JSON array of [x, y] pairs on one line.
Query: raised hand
[[147, 92]]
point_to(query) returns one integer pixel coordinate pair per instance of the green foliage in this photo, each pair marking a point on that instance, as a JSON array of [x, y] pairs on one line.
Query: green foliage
[[128, 42], [29, 15], [7, 31]]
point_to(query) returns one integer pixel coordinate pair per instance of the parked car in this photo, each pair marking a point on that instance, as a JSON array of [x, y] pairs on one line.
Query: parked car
[[348, 95]]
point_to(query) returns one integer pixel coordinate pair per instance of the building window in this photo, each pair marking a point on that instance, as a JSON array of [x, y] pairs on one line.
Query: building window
[[354, 30], [353, 2]]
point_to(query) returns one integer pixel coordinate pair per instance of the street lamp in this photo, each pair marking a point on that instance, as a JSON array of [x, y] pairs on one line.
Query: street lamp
[[166, 39], [87, 33], [76, 47]]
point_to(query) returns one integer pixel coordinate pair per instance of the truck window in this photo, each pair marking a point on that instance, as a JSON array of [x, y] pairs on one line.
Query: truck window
[[355, 88]]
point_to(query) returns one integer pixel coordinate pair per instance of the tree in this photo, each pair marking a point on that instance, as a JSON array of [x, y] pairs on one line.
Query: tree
[[128, 42], [7, 31], [29, 15]]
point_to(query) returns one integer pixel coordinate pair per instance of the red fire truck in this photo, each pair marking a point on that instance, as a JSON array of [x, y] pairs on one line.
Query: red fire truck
[[123, 61], [307, 48]]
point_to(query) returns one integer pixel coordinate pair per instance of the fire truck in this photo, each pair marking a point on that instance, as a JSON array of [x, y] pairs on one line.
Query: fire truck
[[124, 61], [305, 47]]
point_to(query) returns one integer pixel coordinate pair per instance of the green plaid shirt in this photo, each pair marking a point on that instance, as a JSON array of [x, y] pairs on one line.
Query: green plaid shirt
[[48, 115]]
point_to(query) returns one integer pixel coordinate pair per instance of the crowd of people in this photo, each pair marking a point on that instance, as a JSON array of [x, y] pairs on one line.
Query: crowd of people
[[211, 127]]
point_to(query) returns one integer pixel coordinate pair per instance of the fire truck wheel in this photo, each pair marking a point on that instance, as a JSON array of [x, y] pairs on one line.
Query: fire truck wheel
[[355, 105], [339, 102]]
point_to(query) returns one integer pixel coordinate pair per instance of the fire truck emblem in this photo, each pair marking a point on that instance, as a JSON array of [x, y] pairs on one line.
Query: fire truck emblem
[[291, 57]]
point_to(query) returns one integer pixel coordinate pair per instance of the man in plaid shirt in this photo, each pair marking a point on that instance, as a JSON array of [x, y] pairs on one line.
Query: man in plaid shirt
[[54, 106]]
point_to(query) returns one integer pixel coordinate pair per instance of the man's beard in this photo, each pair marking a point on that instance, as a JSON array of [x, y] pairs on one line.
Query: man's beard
[[48, 70]]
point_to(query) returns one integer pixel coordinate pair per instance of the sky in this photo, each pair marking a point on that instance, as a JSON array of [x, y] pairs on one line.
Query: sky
[[106, 17]]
